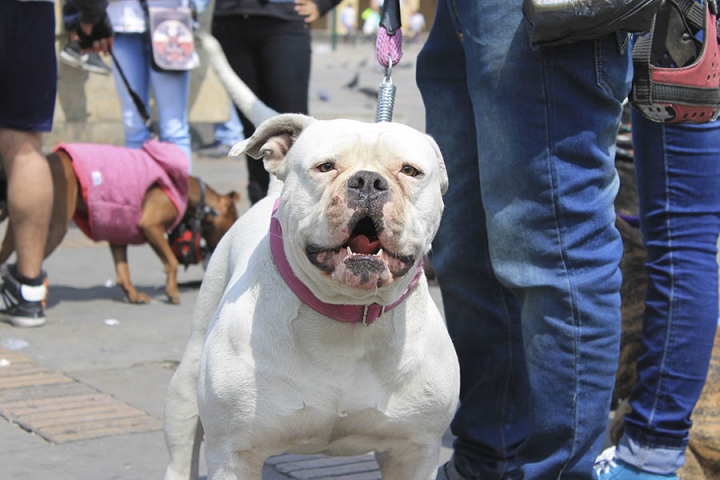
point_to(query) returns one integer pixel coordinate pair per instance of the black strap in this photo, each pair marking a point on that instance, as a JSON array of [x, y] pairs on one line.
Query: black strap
[[135, 97], [695, 12], [390, 16], [200, 209], [642, 70], [663, 93]]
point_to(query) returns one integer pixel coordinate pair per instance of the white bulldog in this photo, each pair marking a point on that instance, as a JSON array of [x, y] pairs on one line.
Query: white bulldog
[[314, 331]]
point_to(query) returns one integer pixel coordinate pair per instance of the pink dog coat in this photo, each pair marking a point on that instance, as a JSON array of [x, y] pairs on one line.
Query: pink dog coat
[[113, 181]]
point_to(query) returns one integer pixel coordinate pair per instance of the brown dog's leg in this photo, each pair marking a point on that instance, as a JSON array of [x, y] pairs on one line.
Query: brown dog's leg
[[158, 215], [8, 246], [65, 199], [119, 254]]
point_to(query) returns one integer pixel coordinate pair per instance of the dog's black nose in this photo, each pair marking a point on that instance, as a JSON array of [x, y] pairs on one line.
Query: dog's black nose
[[367, 184]]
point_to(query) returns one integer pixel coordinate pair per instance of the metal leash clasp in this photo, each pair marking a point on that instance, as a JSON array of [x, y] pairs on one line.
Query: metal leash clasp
[[386, 96]]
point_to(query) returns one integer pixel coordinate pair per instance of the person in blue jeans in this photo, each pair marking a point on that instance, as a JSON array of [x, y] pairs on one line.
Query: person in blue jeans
[[225, 135], [527, 253], [678, 178], [170, 89], [231, 131]]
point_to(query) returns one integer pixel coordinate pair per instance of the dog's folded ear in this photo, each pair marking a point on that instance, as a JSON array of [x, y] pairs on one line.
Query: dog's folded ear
[[272, 140], [443, 171]]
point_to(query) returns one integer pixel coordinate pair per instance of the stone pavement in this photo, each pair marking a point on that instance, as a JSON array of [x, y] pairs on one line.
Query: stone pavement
[[82, 397]]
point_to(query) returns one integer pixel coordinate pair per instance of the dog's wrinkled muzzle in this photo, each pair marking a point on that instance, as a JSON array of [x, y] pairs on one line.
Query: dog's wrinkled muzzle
[[362, 260]]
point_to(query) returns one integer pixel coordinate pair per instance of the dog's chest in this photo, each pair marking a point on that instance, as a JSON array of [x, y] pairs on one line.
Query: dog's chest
[[288, 379], [354, 434], [332, 376]]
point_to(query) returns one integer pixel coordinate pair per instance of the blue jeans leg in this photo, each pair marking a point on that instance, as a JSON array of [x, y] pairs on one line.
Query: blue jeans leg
[[678, 175], [171, 91], [527, 253], [231, 131]]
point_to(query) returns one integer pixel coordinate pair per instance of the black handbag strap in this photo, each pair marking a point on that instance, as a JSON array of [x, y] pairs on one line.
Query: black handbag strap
[[695, 12], [134, 96]]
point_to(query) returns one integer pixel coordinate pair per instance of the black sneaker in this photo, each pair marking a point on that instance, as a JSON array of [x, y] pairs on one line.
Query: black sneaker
[[24, 304], [72, 55], [214, 150], [91, 62], [95, 64]]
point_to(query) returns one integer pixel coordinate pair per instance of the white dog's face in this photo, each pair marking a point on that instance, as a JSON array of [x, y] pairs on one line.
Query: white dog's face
[[361, 202]]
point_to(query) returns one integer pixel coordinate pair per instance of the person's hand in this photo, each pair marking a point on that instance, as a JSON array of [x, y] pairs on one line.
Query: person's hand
[[96, 37], [307, 9]]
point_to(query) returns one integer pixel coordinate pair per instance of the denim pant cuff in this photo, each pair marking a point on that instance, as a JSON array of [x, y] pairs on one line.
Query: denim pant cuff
[[654, 459]]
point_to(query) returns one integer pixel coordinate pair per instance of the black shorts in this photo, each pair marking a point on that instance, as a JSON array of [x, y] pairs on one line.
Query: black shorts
[[28, 66]]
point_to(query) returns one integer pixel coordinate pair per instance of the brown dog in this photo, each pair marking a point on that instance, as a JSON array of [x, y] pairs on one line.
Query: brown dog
[[703, 453], [158, 215]]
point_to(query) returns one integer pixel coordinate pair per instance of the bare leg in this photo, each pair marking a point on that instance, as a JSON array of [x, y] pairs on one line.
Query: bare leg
[[30, 197]]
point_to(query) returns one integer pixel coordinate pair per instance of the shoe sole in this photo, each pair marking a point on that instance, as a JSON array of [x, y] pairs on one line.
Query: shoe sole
[[24, 322], [212, 154], [94, 69], [71, 60]]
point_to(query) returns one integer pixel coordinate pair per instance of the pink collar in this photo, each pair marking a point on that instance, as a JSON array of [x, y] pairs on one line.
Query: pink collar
[[366, 314]]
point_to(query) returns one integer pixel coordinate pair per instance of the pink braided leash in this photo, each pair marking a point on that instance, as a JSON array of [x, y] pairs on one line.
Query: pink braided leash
[[388, 47]]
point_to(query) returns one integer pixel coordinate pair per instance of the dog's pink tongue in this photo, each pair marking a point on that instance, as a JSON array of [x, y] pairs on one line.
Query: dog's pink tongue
[[362, 244]]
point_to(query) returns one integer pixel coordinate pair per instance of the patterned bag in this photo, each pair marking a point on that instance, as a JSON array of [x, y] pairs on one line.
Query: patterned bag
[[170, 31]]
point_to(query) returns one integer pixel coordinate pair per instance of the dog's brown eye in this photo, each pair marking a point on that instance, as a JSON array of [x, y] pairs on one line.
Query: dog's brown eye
[[326, 167], [410, 171]]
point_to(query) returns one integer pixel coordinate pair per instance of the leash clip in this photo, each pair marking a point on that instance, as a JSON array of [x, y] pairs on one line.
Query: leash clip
[[386, 95]]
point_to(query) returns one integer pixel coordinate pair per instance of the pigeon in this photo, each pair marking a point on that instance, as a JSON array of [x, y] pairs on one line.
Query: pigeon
[[353, 83]]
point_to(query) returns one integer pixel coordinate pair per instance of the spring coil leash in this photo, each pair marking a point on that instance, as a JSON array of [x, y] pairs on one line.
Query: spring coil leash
[[388, 47], [386, 96]]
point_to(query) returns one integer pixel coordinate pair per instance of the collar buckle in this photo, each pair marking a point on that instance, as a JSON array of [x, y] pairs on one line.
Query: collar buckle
[[365, 314]]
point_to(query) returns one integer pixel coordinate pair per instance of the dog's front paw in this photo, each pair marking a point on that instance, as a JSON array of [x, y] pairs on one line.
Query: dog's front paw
[[137, 297], [173, 298]]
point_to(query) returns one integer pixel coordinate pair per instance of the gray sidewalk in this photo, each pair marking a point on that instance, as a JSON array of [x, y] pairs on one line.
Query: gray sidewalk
[[97, 372]]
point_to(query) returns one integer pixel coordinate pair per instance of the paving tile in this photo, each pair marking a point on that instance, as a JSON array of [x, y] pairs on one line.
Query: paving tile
[[323, 467], [59, 408], [332, 472]]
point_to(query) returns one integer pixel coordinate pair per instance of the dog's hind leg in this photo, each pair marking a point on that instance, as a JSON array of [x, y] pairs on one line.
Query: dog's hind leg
[[182, 427], [224, 464], [66, 198], [181, 421], [119, 254], [410, 461]]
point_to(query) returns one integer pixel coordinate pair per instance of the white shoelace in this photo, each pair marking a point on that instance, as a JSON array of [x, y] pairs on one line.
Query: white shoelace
[[605, 461]]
